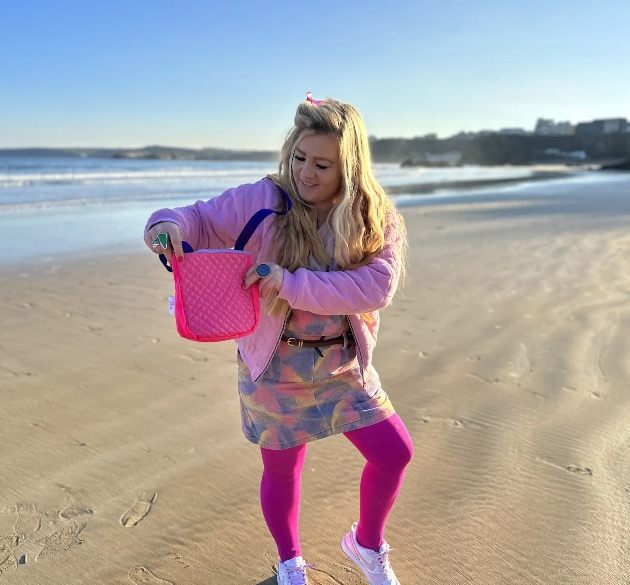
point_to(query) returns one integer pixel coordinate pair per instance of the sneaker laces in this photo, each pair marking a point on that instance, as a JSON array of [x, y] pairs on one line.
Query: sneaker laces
[[382, 558], [297, 575]]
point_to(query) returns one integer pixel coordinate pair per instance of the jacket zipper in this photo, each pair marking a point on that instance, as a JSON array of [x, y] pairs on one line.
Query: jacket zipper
[[284, 324], [356, 341]]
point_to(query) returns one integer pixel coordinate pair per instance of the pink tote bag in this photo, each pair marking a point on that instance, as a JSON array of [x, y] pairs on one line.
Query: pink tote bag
[[210, 304]]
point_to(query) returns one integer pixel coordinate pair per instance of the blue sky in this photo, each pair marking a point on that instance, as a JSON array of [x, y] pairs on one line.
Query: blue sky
[[230, 74]]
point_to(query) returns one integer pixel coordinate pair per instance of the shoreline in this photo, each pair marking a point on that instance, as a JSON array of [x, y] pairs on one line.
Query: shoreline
[[431, 188], [57, 234]]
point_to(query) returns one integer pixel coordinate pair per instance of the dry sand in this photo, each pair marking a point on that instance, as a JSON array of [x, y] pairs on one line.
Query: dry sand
[[123, 461]]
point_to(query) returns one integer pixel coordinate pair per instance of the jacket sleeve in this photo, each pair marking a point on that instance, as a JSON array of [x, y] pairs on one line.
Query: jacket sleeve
[[211, 224], [361, 290]]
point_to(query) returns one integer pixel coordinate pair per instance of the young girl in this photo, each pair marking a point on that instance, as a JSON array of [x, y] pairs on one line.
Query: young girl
[[324, 269]]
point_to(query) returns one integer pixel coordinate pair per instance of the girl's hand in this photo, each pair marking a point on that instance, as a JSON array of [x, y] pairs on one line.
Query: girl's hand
[[174, 244], [266, 285]]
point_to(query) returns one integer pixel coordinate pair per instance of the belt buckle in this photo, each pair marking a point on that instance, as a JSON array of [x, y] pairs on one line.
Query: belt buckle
[[293, 342]]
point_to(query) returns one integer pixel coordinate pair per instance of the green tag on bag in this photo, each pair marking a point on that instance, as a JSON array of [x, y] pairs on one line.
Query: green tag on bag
[[163, 240]]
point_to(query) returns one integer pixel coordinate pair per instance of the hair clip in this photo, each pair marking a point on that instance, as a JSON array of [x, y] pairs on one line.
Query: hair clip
[[309, 98]]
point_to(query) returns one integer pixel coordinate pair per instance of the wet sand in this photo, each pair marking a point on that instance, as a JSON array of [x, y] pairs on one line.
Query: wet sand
[[507, 356], [538, 175]]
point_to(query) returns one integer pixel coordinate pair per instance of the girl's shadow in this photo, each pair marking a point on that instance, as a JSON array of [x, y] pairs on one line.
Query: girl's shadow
[[271, 581]]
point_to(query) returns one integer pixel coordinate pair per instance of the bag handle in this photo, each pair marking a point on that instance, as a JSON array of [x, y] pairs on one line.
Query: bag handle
[[246, 233], [256, 219], [187, 250]]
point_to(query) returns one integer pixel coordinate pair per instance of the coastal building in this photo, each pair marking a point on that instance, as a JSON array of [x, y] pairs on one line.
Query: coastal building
[[468, 136], [607, 126], [547, 127], [514, 131], [576, 154]]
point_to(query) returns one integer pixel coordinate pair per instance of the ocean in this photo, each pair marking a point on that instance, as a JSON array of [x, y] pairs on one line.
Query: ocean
[[42, 182], [59, 207]]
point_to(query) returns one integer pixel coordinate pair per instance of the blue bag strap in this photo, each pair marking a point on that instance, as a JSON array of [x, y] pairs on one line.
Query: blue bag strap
[[187, 250], [256, 219], [246, 233]]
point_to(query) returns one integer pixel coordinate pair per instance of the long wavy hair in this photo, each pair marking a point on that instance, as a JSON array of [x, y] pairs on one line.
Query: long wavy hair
[[361, 210]]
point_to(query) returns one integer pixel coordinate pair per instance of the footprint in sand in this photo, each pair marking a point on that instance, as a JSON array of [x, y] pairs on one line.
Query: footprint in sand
[[8, 544], [578, 469], [148, 339], [28, 522], [142, 575], [73, 511], [322, 577], [138, 511], [61, 540]]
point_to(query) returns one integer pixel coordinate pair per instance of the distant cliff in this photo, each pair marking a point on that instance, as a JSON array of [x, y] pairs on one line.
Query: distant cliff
[[169, 153], [500, 149], [148, 153]]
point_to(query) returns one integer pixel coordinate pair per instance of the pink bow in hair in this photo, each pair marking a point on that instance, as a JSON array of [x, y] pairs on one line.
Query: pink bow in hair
[[309, 98]]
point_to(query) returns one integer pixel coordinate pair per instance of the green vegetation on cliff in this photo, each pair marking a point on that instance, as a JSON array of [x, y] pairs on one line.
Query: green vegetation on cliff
[[501, 149]]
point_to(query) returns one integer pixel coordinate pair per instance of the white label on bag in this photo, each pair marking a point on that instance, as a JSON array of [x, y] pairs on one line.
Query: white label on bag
[[171, 305]]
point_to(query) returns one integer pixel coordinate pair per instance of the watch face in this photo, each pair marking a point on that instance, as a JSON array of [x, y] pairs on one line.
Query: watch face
[[263, 270]]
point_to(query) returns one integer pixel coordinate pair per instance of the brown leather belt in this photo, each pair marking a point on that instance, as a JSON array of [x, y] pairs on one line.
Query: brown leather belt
[[346, 340]]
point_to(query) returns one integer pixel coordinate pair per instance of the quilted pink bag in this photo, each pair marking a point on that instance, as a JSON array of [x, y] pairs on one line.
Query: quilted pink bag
[[210, 304]]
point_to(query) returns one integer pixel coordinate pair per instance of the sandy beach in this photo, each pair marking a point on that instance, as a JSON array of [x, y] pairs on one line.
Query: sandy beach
[[507, 356]]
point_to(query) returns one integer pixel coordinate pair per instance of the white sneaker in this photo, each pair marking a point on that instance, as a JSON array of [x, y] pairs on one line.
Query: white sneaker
[[374, 564], [293, 572]]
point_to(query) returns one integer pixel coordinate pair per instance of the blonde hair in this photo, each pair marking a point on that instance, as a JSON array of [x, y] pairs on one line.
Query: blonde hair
[[361, 212]]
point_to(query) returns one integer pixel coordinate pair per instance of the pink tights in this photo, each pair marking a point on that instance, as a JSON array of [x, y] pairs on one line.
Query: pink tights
[[387, 449]]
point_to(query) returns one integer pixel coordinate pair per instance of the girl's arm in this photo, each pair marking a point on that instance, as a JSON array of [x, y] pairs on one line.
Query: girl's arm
[[211, 224], [362, 290]]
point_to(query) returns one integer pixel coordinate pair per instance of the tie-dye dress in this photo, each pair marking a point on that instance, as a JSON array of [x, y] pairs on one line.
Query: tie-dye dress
[[310, 393]]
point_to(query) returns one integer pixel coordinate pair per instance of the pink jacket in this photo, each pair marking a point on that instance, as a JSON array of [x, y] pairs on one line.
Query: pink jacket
[[218, 222]]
